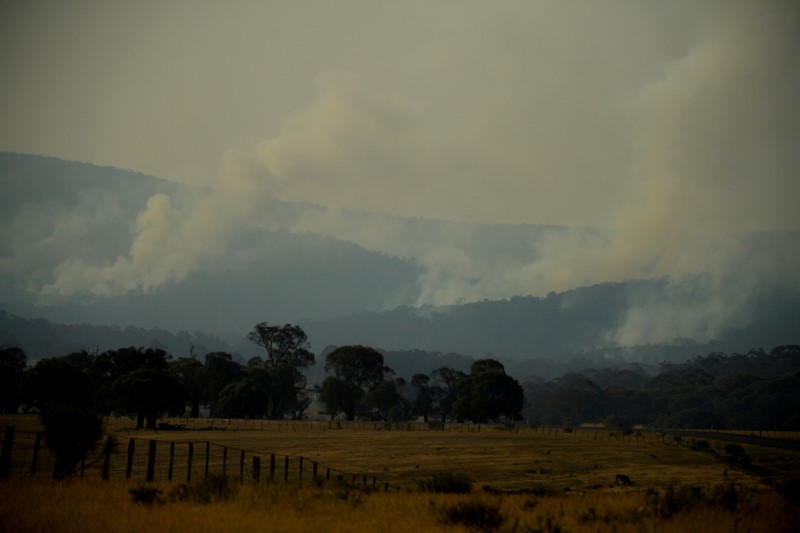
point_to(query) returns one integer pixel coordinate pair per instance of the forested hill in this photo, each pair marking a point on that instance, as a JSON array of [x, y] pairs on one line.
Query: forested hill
[[585, 323], [41, 338]]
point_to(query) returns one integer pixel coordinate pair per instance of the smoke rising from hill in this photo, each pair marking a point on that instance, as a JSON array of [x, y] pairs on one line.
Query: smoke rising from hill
[[670, 161]]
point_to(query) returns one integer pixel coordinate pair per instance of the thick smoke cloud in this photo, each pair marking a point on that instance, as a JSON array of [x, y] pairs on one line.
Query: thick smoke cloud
[[670, 155]]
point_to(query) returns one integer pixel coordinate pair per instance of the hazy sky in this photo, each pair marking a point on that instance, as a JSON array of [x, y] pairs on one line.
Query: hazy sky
[[630, 114]]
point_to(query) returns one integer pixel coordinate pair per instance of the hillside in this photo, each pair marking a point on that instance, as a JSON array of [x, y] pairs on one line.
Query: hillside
[[82, 245]]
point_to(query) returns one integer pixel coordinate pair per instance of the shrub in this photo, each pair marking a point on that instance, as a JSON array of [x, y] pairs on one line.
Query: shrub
[[213, 489], [735, 450], [70, 434], [452, 482], [478, 515], [146, 494]]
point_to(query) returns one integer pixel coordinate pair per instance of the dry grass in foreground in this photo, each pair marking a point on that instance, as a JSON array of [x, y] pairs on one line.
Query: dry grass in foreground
[[95, 506]]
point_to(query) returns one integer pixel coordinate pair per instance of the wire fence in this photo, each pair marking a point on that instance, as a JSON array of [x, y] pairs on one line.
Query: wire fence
[[153, 460]]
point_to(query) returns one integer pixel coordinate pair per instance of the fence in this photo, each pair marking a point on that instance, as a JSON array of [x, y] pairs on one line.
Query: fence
[[164, 460]]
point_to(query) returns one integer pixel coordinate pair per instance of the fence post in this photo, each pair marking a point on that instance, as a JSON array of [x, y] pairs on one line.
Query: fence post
[[107, 456], [189, 463], [327, 474], [5, 457], [151, 461], [129, 466], [171, 460], [314, 475], [256, 468], [208, 453], [286, 469], [224, 461], [300, 474], [272, 466], [241, 468], [37, 443]]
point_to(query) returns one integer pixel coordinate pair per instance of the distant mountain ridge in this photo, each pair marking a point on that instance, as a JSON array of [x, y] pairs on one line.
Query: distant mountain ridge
[[352, 277]]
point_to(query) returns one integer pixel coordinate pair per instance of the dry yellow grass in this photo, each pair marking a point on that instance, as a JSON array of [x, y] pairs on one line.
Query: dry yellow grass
[[538, 465], [93, 505]]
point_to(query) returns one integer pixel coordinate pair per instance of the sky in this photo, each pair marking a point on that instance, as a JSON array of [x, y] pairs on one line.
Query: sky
[[671, 127], [543, 112]]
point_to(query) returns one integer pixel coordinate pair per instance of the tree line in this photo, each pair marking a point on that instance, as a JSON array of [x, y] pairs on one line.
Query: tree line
[[147, 383], [755, 390]]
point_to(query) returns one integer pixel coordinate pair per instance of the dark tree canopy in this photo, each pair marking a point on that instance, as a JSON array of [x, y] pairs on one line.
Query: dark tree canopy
[[149, 392], [188, 371], [357, 369], [218, 372], [70, 434], [246, 398], [425, 396], [285, 345], [360, 366], [447, 379], [56, 382], [12, 365], [488, 393]]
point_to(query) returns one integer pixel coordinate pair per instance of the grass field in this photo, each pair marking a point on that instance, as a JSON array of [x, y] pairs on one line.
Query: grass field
[[528, 479]]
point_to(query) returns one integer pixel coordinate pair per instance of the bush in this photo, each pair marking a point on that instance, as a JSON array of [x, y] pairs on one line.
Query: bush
[[213, 489], [478, 515], [452, 482], [673, 500], [70, 434], [146, 494], [735, 450]]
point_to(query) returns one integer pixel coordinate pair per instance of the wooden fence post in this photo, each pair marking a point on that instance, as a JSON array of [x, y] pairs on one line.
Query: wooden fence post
[[151, 462], [129, 466], [224, 461], [256, 468], [241, 468], [208, 453], [272, 466], [300, 473], [5, 457], [286, 469], [189, 463], [107, 456], [314, 471], [171, 460], [36, 444]]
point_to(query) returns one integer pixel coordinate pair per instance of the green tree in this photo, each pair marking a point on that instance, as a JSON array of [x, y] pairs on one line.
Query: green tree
[[356, 369], [148, 393], [56, 383], [285, 345], [12, 366], [248, 397], [219, 371], [64, 396], [488, 393], [425, 395], [288, 392], [188, 370], [384, 401], [447, 379], [288, 352]]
